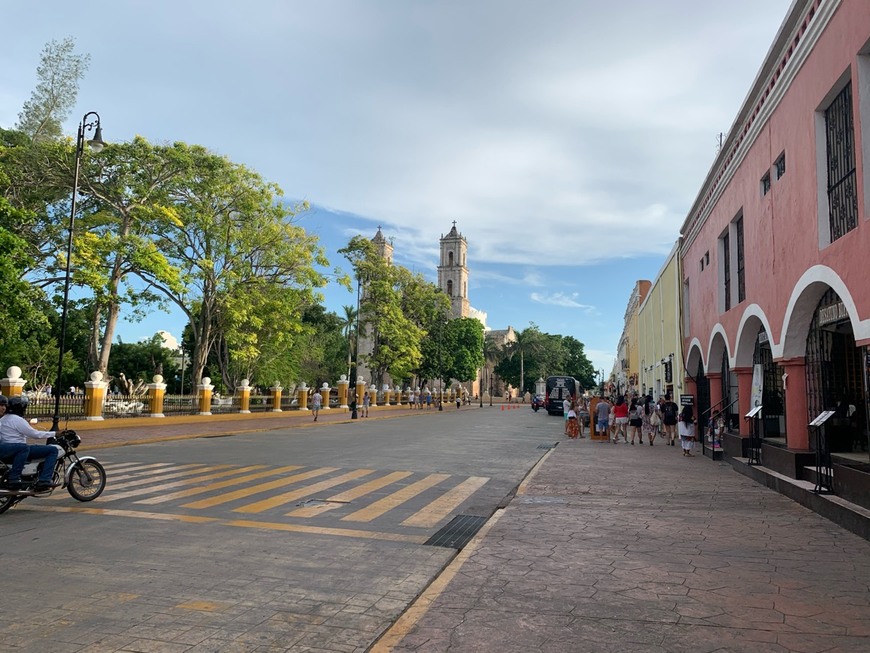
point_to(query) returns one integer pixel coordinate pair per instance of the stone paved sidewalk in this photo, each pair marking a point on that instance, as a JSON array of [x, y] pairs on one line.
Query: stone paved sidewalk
[[621, 548]]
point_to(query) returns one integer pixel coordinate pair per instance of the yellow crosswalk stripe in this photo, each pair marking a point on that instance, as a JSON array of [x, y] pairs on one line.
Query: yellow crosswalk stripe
[[191, 469], [446, 503], [182, 483], [308, 490], [257, 489], [350, 495], [238, 480], [397, 498]]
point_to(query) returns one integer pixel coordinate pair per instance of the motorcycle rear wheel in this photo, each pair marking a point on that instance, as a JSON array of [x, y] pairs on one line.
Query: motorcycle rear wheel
[[87, 480]]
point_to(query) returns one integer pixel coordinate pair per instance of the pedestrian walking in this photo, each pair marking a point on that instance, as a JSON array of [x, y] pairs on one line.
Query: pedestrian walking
[[670, 413], [566, 407], [316, 403], [602, 416], [635, 422], [651, 420], [620, 419], [573, 424], [687, 430], [367, 400]]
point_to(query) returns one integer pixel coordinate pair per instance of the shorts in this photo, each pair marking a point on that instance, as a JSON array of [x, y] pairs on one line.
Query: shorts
[[622, 421], [637, 421], [602, 424]]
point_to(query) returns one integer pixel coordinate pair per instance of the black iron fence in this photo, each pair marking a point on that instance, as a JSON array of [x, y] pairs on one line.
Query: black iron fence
[[42, 407]]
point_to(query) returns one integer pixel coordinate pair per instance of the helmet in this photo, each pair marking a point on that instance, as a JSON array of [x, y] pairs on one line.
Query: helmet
[[71, 438], [18, 404]]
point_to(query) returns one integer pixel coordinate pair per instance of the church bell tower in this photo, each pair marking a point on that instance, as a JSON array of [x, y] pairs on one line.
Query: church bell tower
[[453, 272]]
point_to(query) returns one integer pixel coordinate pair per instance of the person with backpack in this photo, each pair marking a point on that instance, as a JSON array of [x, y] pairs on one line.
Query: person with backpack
[[687, 430], [669, 413]]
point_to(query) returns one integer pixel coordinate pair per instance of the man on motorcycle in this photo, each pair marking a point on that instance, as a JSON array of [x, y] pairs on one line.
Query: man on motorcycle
[[14, 453], [14, 429]]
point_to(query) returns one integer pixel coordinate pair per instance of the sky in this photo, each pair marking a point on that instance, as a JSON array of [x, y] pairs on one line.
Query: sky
[[567, 138]]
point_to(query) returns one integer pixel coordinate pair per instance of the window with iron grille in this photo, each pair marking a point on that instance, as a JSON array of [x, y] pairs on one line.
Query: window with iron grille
[[779, 166], [841, 182], [765, 184], [726, 269], [741, 280]]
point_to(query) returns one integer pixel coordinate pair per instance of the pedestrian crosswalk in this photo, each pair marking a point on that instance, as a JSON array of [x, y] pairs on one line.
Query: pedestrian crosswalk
[[351, 498]]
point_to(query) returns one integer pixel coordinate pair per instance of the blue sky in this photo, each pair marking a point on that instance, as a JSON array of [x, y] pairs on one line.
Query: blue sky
[[567, 138]]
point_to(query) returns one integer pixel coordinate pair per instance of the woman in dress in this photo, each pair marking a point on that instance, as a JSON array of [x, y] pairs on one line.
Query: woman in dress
[[686, 429], [650, 418]]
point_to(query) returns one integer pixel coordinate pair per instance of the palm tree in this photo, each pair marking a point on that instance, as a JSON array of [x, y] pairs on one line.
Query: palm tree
[[528, 343], [348, 328], [492, 354]]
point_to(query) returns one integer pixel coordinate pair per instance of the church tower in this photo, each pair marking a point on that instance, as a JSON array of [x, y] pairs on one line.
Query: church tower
[[384, 247], [453, 272]]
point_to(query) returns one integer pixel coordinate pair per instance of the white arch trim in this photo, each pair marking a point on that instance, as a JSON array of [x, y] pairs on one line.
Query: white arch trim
[[694, 345], [718, 329], [755, 311], [793, 340]]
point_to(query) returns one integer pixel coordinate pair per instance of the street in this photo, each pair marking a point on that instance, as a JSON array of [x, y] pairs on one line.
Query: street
[[291, 538]]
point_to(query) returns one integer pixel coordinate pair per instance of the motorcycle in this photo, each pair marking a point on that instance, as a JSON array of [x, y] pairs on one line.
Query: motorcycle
[[83, 477]]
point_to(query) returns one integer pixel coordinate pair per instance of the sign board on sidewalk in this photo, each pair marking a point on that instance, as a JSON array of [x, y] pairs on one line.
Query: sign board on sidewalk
[[687, 400], [822, 418]]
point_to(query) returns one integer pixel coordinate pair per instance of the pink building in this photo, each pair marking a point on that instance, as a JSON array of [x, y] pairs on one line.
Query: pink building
[[776, 249]]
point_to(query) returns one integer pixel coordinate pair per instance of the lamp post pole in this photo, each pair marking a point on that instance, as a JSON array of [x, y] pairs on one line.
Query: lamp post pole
[[482, 370], [354, 414], [96, 144]]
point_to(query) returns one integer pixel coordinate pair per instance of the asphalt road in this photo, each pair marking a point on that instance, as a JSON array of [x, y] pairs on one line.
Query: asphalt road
[[297, 539]]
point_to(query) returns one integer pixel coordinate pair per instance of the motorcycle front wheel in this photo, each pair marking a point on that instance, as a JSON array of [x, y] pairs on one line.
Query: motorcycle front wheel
[[7, 502], [87, 480]]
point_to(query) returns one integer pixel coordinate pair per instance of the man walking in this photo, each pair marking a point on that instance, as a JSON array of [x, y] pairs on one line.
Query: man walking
[[316, 402]]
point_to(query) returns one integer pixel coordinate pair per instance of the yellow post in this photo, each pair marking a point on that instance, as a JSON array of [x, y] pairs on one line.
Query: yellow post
[[13, 384], [360, 391], [244, 391], [302, 396], [276, 397], [387, 395], [324, 392], [95, 397], [156, 393], [204, 391], [343, 384], [373, 396]]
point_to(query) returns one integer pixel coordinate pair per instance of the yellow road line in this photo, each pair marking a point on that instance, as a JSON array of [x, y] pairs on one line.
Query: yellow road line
[[139, 514], [350, 495], [239, 523], [287, 497], [438, 509], [257, 489], [341, 532], [238, 480], [168, 486], [397, 498], [404, 624]]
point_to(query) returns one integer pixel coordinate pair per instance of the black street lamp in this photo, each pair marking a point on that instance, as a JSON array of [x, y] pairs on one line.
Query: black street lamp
[[90, 122], [354, 414], [482, 372]]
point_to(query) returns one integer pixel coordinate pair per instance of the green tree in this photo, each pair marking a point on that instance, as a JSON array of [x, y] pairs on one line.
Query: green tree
[[348, 330], [465, 335], [140, 361], [59, 72], [395, 337], [529, 343]]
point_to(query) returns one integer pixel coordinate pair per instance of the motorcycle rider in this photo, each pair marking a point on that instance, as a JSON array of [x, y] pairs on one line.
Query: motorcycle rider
[[13, 452], [14, 429]]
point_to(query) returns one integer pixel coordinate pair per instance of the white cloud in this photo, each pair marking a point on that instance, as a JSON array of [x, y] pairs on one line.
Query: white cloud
[[567, 300]]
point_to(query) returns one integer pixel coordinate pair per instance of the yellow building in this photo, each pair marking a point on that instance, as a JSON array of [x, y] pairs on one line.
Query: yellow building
[[658, 339]]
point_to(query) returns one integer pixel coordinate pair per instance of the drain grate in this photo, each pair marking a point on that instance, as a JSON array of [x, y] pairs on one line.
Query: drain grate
[[546, 446], [458, 532]]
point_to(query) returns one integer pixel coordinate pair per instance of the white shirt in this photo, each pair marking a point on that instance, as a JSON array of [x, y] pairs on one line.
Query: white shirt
[[15, 429], [316, 400]]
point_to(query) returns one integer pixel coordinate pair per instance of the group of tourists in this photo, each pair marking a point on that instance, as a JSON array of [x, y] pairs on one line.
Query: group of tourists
[[639, 419]]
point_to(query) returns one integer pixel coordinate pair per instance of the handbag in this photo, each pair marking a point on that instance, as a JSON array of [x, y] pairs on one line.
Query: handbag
[[654, 419]]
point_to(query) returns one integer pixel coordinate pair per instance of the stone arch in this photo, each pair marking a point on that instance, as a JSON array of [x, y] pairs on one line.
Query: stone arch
[[752, 320], [718, 345], [802, 305]]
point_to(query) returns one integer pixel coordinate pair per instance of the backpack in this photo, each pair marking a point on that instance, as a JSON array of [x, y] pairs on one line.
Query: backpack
[[670, 410], [654, 418]]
